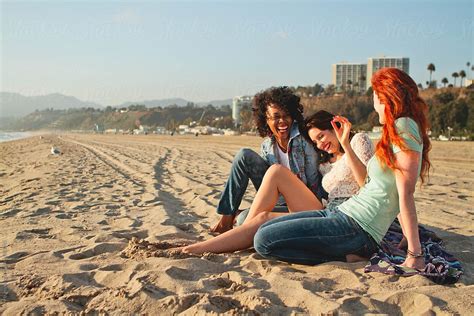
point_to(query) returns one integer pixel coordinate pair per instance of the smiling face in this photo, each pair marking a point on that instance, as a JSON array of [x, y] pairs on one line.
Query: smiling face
[[379, 108], [279, 122], [325, 140]]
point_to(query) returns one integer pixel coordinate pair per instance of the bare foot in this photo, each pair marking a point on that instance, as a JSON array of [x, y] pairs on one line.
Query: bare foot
[[226, 223], [415, 263], [191, 249], [355, 258]]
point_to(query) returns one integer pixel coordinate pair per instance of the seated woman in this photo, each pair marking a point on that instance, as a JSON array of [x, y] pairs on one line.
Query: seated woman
[[345, 172], [357, 225]]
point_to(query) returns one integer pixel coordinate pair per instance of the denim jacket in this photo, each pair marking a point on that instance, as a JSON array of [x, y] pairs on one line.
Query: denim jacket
[[303, 159]]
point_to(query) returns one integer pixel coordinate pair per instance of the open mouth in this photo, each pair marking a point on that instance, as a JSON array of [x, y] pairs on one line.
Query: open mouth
[[282, 129]]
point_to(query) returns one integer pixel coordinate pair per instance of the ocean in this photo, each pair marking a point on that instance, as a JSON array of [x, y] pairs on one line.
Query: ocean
[[7, 136]]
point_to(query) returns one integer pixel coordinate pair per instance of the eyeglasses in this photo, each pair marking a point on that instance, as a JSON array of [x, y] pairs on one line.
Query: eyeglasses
[[275, 118]]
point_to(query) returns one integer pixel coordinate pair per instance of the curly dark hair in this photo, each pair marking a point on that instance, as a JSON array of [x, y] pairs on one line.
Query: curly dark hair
[[279, 96], [322, 121]]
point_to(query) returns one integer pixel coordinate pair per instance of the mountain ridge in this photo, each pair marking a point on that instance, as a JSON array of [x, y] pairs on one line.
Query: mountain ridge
[[14, 104]]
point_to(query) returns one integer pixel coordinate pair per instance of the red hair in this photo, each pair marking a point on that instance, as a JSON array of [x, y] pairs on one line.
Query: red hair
[[399, 93]]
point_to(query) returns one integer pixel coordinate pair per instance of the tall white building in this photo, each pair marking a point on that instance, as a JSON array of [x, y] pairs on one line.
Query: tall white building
[[237, 103], [348, 76], [374, 64]]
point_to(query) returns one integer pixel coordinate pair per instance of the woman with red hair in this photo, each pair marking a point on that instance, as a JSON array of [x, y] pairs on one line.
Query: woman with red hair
[[358, 225]]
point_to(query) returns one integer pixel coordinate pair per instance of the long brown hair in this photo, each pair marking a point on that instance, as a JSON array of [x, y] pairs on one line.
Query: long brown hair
[[399, 93], [322, 121]]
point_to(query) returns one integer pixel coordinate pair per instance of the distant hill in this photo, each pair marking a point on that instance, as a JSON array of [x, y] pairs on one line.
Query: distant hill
[[216, 102], [17, 105], [173, 101], [155, 103]]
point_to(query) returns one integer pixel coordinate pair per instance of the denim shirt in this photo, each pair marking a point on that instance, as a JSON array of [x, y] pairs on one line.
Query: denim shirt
[[303, 159]]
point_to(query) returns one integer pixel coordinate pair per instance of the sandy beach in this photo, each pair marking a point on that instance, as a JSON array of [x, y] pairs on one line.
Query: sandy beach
[[75, 229]]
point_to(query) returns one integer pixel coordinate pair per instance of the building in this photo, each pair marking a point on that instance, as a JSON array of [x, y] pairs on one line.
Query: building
[[376, 63], [346, 76], [237, 103]]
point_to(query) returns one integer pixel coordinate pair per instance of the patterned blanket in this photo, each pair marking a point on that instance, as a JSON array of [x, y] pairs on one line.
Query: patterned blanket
[[441, 267]]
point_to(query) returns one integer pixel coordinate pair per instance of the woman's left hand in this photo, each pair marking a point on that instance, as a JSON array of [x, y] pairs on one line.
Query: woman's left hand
[[342, 133]]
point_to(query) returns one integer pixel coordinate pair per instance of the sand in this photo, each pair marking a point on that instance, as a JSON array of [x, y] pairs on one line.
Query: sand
[[89, 231]]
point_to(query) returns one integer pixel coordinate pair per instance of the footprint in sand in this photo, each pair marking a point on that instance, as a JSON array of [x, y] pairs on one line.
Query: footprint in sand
[[60, 253], [15, 257], [10, 213], [40, 211], [88, 267], [412, 303], [181, 274], [221, 282], [130, 234], [34, 233], [352, 304], [63, 216], [112, 267], [98, 250]]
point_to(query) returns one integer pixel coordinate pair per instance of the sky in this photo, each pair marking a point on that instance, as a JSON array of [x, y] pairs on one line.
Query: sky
[[110, 52]]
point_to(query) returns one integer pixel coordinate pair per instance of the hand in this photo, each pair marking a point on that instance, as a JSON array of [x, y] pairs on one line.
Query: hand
[[415, 263], [342, 133]]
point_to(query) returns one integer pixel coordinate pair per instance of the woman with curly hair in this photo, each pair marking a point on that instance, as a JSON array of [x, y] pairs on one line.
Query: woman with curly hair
[[357, 226], [278, 115]]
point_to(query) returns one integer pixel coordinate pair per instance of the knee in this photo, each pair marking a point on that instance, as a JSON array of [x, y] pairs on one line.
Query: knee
[[261, 243], [244, 154], [275, 170]]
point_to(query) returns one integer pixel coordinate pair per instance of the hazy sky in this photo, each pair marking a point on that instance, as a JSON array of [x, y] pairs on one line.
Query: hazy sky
[[110, 52]]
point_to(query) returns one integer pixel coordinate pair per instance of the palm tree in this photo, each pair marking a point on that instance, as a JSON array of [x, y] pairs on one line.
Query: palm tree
[[455, 76], [462, 74], [431, 68], [444, 81]]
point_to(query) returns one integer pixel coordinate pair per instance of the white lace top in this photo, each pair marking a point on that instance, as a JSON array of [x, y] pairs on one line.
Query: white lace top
[[338, 179]]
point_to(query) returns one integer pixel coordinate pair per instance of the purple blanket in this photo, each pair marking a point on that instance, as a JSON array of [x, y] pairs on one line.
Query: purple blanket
[[441, 267]]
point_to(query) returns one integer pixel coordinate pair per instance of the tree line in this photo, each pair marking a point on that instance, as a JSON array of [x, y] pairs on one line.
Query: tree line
[[450, 109]]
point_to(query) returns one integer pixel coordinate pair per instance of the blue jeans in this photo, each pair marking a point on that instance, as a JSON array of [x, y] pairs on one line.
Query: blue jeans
[[247, 165], [313, 237]]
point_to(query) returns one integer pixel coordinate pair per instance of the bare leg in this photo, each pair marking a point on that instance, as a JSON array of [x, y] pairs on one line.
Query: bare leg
[[279, 179], [235, 239]]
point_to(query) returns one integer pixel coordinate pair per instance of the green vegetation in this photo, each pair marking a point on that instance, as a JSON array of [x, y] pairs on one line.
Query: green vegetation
[[451, 111]]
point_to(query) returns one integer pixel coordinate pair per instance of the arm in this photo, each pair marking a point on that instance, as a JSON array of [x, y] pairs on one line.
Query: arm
[[406, 177], [264, 151], [311, 169], [358, 168]]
